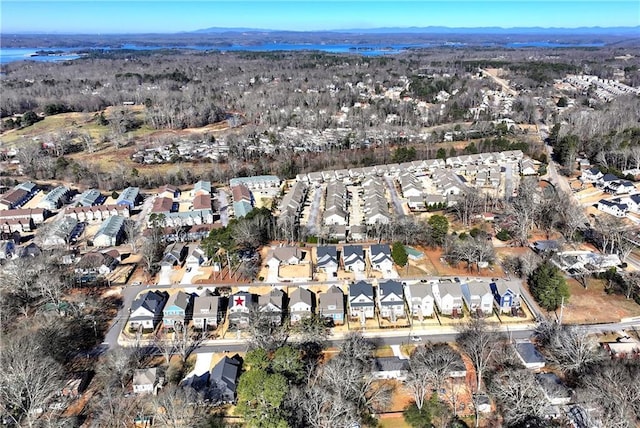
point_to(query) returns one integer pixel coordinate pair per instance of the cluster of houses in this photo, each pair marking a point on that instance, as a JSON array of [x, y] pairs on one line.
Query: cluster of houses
[[183, 151], [176, 210], [605, 89], [625, 199]]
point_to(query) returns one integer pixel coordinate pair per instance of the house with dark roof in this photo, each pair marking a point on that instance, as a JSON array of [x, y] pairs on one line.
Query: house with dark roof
[[591, 175], [380, 257], [390, 299], [178, 310], [389, 368], [529, 355], [301, 304], [55, 198], [175, 254], [91, 197], [331, 304], [613, 208], [553, 389], [353, 258], [224, 380], [327, 260], [361, 300], [146, 310]]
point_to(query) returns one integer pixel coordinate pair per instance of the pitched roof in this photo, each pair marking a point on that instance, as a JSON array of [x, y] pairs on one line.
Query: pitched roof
[[301, 295], [360, 287], [332, 297], [225, 373], [179, 299], [390, 287], [153, 301], [145, 376]]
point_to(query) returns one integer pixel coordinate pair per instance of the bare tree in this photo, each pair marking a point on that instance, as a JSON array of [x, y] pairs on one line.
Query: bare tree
[[570, 348], [178, 407], [429, 367], [519, 395], [131, 230], [28, 379], [468, 203], [111, 409]]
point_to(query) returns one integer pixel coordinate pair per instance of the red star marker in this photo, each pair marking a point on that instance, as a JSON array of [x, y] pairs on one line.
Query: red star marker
[[239, 301]]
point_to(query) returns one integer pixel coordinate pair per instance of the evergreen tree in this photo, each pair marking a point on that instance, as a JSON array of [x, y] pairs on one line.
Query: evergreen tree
[[548, 286]]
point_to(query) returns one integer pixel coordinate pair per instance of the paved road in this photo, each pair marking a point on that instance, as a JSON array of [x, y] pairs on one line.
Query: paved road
[[314, 211], [395, 198], [223, 207]]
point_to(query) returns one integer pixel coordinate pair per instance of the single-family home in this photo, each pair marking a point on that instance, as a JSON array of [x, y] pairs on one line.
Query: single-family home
[[553, 389], [145, 381], [420, 300], [353, 258], [380, 258], [390, 368], [287, 256], [327, 260], [529, 355], [527, 167], [178, 310], [477, 297], [174, 254], [390, 298], [195, 256], [208, 311], [331, 305], [448, 297], [146, 310], [301, 304], [169, 191], [361, 300], [224, 380], [273, 304], [506, 296], [201, 188], [613, 208], [240, 305]]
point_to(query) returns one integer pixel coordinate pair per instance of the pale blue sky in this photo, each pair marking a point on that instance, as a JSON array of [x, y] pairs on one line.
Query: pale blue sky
[[123, 16]]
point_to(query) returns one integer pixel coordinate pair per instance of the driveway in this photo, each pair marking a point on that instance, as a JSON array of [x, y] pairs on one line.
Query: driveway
[[187, 278], [395, 199], [164, 276], [223, 206]]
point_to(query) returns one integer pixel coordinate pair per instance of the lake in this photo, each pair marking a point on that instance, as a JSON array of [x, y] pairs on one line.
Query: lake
[[8, 55]]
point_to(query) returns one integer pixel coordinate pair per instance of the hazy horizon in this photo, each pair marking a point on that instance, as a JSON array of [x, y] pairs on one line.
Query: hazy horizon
[[166, 17]]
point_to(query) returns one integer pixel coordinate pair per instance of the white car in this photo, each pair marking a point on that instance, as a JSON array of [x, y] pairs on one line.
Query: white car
[[416, 339]]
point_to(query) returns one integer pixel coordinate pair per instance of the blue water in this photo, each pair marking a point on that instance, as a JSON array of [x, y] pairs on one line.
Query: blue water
[[8, 55]]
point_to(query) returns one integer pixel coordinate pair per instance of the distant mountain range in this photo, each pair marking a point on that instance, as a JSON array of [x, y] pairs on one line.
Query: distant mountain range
[[632, 31]]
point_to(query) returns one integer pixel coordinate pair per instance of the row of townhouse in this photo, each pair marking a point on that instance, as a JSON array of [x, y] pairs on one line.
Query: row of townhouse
[[243, 200], [21, 219], [166, 205], [607, 182], [56, 198], [376, 206], [485, 158], [18, 195], [293, 202], [89, 213], [336, 210]]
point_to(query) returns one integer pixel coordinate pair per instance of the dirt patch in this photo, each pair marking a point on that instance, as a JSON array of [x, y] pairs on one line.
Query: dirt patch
[[594, 305], [433, 263]]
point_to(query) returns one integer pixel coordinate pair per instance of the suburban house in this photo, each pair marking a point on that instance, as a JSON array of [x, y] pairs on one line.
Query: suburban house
[[556, 392], [18, 196], [195, 256], [60, 232], [361, 300], [327, 260], [224, 380], [21, 219], [287, 256], [169, 191], [477, 297], [420, 300], [240, 304], [529, 355], [97, 212], [353, 258], [129, 197], [390, 299], [301, 304], [257, 182], [207, 311], [331, 304], [458, 369], [96, 263], [390, 368], [506, 296], [146, 310], [591, 175], [110, 233], [201, 188], [623, 347], [7, 250], [380, 258], [273, 305], [527, 167], [145, 381], [242, 200], [448, 297], [613, 208], [178, 310], [174, 254]]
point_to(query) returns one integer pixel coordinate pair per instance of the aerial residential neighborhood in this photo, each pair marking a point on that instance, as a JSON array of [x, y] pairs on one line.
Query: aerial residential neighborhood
[[207, 225]]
